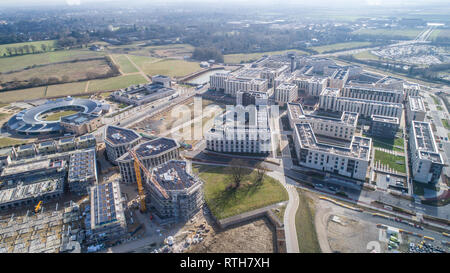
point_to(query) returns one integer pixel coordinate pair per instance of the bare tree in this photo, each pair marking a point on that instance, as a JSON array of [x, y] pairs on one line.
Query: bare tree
[[260, 172], [237, 171]]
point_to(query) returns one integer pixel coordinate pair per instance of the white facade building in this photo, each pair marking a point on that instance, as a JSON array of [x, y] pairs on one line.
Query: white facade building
[[286, 92], [426, 161], [415, 109]]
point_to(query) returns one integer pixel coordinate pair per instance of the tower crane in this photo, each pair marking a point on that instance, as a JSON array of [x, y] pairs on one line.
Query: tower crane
[[137, 166]]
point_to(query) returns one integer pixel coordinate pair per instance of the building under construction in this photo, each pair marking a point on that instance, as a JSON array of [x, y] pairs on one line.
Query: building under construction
[[184, 190], [151, 153], [82, 171], [107, 217]]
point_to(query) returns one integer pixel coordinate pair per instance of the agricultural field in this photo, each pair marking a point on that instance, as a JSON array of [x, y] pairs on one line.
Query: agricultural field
[[409, 33], [177, 51], [115, 82], [125, 65], [248, 57], [37, 44], [340, 46], [23, 94], [169, 67], [73, 71], [20, 62], [66, 89], [225, 202]]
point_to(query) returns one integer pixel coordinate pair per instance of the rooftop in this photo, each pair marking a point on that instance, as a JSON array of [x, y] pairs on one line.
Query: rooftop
[[117, 135], [152, 148], [173, 176], [107, 207], [78, 118], [416, 104], [358, 148], [385, 119], [424, 141]]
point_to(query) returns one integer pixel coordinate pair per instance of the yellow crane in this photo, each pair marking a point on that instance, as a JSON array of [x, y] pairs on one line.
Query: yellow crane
[[137, 166], [38, 207]]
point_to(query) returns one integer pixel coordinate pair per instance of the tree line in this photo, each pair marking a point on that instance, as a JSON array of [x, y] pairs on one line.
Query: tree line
[[26, 49]]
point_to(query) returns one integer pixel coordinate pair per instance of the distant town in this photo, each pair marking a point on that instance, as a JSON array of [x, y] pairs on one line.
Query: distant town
[[177, 132]]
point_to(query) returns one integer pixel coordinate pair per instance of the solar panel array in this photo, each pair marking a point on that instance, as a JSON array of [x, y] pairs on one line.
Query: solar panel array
[[105, 208], [117, 135]]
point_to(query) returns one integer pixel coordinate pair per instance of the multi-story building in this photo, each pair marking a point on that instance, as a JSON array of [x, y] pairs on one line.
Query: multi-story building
[[286, 92], [384, 127], [415, 109], [351, 160], [144, 93], [339, 78], [107, 217], [81, 123], [241, 132], [426, 161], [375, 94], [330, 100], [151, 153], [343, 128], [82, 171], [252, 98], [411, 89], [118, 141], [315, 86], [185, 192]]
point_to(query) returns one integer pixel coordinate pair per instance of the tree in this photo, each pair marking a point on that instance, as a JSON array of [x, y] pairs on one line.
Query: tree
[[33, 48], [44, 47], [237, 170], [260, 172]]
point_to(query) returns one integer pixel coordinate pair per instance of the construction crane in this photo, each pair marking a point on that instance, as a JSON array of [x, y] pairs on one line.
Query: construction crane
[[137, 166], [38, 207]]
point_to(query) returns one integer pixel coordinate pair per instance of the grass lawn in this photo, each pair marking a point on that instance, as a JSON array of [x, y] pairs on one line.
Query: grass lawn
[[436, 100], [169, 67], [57, 115], [304, 224], [389, 143], [37, 44], [391, 160], [125, 65], [446, 124], [248, 57], [366, 55], [115, 83], [225, 202], [7, 141], [340, 46], [20, 62], [439, 108], [22, 94], [408, 32]]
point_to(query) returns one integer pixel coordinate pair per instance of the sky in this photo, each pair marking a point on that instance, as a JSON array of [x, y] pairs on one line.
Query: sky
[[304, 2]]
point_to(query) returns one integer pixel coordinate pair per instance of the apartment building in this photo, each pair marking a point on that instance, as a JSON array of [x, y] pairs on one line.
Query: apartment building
[[286, 92], [375, 94], [119, 141], [415, 109], [426, 161], [384, 127]]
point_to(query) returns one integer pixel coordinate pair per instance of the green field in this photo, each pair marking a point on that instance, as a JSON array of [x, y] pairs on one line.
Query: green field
[[57, 115], [225, 202], [249, 57], [391, 160], [340, 46], [409, 32], [23, 94], [446, 124], [304, 225], [20, 62], [125, 65], [7, 141], [37, 44], [66, 89], [73, 71], [366, 55], [115, 83], [169, 67]]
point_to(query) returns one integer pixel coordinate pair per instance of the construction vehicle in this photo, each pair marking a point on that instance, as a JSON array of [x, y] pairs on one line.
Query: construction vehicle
[[38, 207], [138, 165]]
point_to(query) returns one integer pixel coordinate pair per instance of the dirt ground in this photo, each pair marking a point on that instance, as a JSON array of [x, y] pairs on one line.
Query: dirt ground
[[348, 233], [253, 237]]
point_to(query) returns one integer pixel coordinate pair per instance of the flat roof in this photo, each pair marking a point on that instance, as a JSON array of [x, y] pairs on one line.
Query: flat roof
[[296, 112], [118, 135], [425, 142], [173, 176], [78, 118], [386, 119], [358, 148], [107, 207], [416, 104]]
